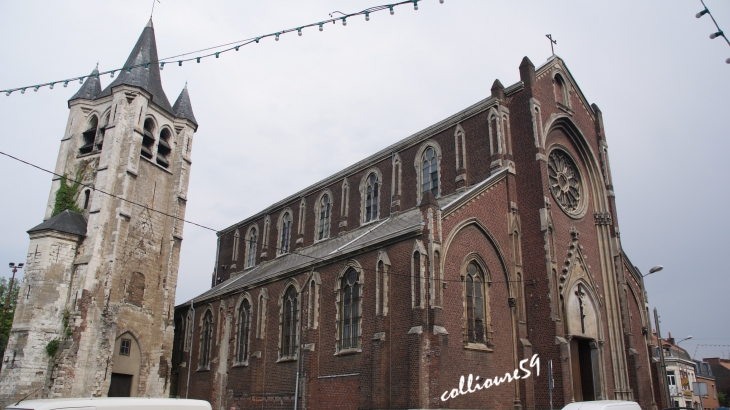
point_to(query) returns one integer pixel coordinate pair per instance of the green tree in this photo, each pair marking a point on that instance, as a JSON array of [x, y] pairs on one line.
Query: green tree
[[8, 322], [722, 397]]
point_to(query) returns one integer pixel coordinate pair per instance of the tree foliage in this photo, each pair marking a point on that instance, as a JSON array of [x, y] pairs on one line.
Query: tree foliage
[[66, 196], [8, 322], [722, 397]]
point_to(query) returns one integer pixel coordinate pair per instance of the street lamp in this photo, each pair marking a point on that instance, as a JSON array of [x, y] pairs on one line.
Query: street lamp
[[655, 269], [15, 268], [686, 338]]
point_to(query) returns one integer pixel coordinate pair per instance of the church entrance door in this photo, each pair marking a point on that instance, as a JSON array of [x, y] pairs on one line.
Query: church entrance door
[[121, 385], [582, 368]]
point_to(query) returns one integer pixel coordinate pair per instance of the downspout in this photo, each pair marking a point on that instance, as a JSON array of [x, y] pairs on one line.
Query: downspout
[[190, 352]]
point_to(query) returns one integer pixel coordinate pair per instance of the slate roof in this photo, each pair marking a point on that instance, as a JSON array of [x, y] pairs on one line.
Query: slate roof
[[66, 221], [321, 252], [145, 51], [183, 108], [91, 88]]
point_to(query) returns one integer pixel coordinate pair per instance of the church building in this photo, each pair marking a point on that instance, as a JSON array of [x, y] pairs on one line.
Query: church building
[[482, 244], [95, 308]]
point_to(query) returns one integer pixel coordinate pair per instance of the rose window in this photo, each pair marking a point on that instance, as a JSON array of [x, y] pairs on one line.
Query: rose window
[[565, 182]]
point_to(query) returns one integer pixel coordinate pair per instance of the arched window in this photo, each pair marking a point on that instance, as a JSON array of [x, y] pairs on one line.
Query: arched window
[[285, 233], [430, 172], [561, 90], [206, 338], [289, 323], [371, 198], [89, 136], [148, 138], [164, 148], [475, 304], [251, 247], [349, 309], [244, 329], [324, 217]]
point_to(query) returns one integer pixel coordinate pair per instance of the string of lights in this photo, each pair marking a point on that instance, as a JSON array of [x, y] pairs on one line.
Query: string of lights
[[719, 32], [390, 272], [233, 46]]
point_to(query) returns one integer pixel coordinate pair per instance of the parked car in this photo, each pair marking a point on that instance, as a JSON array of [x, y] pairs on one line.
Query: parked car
[[603, 405], [111, 403]]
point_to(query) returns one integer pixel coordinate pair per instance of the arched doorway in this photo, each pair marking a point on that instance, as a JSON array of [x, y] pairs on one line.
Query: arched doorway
[[583, 325], [127, 362]]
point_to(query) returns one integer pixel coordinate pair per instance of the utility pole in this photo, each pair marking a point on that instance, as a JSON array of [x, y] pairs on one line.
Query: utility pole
[[661, 360], [15, 268]]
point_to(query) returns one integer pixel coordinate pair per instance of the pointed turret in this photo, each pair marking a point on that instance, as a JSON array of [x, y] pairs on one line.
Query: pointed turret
[[147, 78], [183, 108], [91, 88]]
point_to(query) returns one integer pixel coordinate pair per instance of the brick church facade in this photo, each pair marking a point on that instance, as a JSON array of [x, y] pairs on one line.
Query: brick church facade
[[467, 248]]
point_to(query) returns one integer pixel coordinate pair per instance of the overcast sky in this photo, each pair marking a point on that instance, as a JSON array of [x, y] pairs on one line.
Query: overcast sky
[[278, 116]]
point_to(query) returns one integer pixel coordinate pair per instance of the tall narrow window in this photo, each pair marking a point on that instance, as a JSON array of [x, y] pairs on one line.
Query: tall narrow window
[[99, 140], [87, 195], [324, 217], [371, 198], [236, 238], [251, 248], [285, 233], [89, 136], [430, 172], [206, 340], [289, 323], [475, 307], [350, 310], [244, 329], [188, 331], [148, 138], [164, 148], [416, 279]]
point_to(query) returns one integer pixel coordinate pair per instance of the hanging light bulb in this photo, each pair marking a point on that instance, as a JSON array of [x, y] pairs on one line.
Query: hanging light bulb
[[299, 30], [146, 65], [702, 13], [727, 61], [22, 90], [391, 10], [81, 80], [216, 55], [111, 73], [65, 84], [441, 1], [198, 59], [51, 85], [257, 39], [162, 67], [8, 93], [236, 47], [179, 63], [367, 16], [415, 4], [36, 88], [344, 21], [715, 35], [96, 76], [277, 36], [321, 27], [129, 69]]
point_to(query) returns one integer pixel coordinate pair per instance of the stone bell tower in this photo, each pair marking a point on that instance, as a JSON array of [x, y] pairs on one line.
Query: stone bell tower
[[94, 313]]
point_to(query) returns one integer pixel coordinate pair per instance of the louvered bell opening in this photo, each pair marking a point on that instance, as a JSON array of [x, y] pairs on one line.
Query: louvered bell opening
[[88, 141], [163, 147], [162, 161], [145, 152]]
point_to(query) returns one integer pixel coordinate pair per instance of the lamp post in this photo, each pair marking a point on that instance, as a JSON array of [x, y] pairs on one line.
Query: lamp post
[[15, 268], [655, 269], [686, 338]]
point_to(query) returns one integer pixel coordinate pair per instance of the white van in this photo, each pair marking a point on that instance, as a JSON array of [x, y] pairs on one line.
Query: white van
[[111, 403], [603, 405]]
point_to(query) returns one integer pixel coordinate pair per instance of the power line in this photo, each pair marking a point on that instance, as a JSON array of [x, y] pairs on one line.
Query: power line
[[273, 248], [238, 44]]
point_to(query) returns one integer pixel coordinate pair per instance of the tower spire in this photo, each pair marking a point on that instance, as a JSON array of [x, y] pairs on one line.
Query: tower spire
[[142, 69], [91, 88], [183, 108]]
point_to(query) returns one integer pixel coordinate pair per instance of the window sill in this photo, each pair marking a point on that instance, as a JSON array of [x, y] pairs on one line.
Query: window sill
[[346, 352], [203, 369], [241, 364], [477, 347], [287, 359]]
